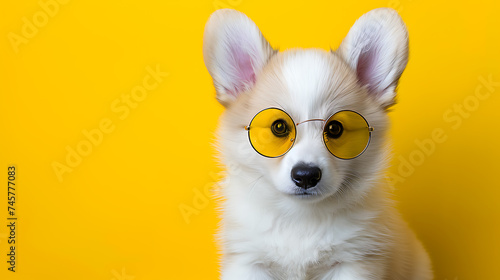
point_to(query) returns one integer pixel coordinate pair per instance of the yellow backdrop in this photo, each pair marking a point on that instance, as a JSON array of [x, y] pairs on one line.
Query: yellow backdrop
[[107, 114]]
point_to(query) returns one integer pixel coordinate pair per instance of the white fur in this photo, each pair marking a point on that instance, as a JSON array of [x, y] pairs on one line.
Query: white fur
[[382, 36], [349, 228]]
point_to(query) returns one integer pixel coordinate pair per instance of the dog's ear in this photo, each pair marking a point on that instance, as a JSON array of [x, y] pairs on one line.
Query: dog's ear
[[234, 51], [377, 49]]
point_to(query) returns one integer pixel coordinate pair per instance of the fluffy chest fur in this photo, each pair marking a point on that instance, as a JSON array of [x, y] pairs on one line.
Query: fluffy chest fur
[[299, 243]]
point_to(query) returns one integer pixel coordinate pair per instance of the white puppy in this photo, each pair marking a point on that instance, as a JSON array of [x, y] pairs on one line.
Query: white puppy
[[304, 196]]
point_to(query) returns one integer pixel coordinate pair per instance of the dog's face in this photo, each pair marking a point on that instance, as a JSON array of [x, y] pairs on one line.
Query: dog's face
[[360, 76]]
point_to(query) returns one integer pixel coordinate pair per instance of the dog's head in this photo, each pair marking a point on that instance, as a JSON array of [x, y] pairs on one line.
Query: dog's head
[[250, 76]]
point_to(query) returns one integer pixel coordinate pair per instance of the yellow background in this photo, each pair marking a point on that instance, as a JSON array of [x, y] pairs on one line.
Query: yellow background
[[117, 214]]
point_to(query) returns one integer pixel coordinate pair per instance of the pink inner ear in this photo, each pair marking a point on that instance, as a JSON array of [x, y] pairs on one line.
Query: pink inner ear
[[243, 65], [368, 68]]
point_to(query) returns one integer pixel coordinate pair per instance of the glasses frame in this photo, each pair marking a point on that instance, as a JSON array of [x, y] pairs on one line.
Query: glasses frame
[[370, 129]]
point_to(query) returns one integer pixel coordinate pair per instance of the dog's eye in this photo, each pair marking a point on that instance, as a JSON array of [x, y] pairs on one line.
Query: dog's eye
[[279, 128], [334, 129]]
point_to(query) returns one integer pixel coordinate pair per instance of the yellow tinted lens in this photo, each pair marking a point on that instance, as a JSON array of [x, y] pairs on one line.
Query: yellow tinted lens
[[271, 132], [346, 134]]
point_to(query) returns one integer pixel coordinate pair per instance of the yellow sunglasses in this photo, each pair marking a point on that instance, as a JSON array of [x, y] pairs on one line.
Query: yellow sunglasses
[[272, 132]]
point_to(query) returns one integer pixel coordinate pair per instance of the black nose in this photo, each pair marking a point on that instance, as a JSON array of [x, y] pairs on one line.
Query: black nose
[[306, 176]]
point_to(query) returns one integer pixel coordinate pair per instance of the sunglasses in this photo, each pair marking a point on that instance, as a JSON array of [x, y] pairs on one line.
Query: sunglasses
[[272, 133]]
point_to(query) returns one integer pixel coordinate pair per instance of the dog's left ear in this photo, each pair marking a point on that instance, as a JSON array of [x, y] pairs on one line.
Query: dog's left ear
[[377, 49]]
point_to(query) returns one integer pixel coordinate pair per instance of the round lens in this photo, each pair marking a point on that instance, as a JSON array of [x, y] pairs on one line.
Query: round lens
[[346, 134], [272, 132]]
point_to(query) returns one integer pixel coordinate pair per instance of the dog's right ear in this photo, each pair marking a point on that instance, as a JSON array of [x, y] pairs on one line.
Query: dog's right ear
[[234, 51]]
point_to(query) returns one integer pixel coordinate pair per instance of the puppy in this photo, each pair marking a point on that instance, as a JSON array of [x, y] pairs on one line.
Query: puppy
[[304, 140]]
